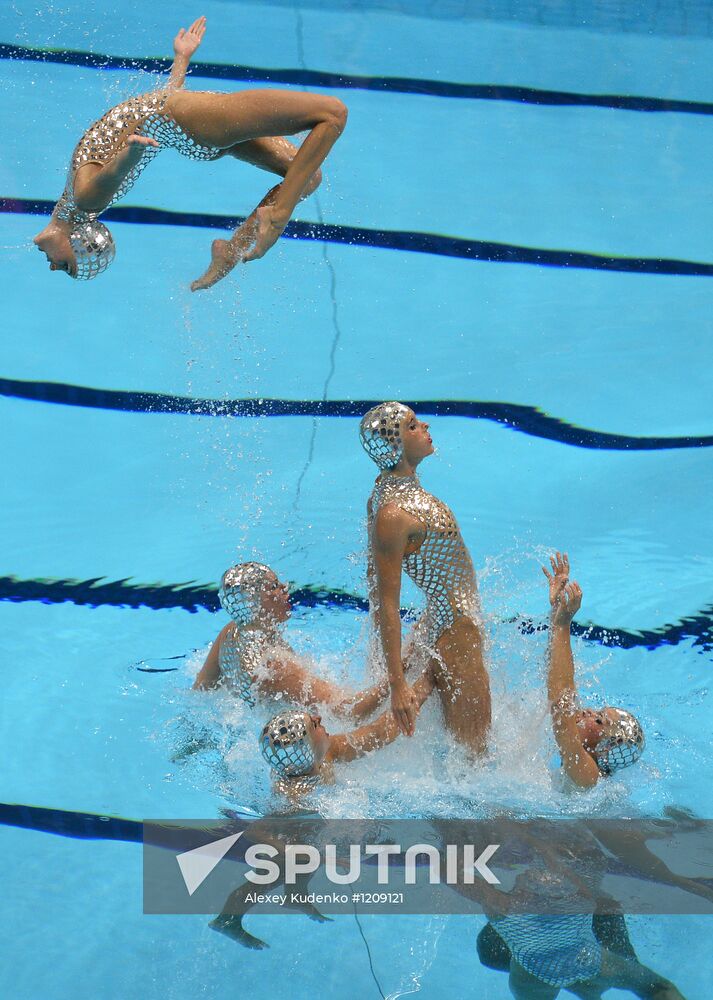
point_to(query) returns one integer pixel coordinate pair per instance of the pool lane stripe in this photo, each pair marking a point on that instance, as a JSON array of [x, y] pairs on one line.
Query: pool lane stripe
[[190, 597], [515, 416], [391, 239], [349, 81]]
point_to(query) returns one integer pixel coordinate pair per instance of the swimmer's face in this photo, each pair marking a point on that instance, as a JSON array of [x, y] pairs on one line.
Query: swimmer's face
[[595, 725], [416, 440], [275, 599], [55, 245], [318, 737]]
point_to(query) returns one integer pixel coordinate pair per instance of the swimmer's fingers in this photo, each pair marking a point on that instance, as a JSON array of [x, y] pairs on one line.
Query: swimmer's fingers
[[547, 573], [198, 27], [404, 720], [560, 564], [136, 139]]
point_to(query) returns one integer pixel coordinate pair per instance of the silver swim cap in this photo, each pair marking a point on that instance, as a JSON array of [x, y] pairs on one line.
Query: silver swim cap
[[285, 746], [380, 433], [93, 247], [241, 589], [623, 746]]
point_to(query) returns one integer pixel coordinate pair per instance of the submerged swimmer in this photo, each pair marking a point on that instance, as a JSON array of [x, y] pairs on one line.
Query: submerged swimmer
[[248, 125], [592, 742], [252, 657], [302, 753], [412, 531]]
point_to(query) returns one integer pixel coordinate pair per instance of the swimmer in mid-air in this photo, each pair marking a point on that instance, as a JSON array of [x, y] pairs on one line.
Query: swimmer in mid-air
[[252, 657], [592, 742], [412, 531], [248, 125]]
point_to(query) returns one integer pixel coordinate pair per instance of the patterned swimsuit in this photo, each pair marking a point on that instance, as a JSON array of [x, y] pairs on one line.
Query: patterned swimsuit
[[442, 567], [106, 137]]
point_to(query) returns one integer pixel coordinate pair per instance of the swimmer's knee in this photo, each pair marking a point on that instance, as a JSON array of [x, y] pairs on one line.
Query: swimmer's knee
[[335, 113]]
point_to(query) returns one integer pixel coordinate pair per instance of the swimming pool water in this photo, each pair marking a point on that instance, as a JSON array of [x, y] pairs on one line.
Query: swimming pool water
[[501, 250]]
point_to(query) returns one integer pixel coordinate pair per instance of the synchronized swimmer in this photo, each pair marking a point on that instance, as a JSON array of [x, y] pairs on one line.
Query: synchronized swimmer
[[248, 125], [409, 530]]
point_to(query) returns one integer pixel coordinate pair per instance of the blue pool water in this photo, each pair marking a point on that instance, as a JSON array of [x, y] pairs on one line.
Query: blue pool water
[[532, 250]]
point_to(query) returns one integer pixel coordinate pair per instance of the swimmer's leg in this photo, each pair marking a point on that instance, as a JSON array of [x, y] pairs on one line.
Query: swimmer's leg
[[627, 974], [493, 952], [274, 155], [227, 119], [463, 684], [523, 986], [611, 932], [231, 924], [230, 919]]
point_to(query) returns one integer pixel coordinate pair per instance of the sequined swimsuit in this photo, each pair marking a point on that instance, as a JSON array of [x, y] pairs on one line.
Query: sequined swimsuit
[[102, 141], [442, 567], [242, 654]]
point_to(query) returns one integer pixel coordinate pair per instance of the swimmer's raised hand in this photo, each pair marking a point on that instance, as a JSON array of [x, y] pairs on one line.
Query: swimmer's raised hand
[[405, 707], [186, 42], [567, 605], [559, 575]]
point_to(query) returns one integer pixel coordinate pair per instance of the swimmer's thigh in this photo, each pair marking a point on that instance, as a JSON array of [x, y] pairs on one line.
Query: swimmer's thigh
[[226, 119], [463, 683], [523, 986]]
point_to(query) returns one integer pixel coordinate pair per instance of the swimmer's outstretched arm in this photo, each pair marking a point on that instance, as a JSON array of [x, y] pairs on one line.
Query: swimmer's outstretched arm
[[565, 601], [184, 45], [95, 185], [287, 678], [346, 747], [362, 704]]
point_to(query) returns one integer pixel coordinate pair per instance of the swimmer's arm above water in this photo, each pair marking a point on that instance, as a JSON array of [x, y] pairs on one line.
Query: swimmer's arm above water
[[95, 185], [287, 678], [209, 674], [393, 529], [346, 747], [565, 601], [184, 45]]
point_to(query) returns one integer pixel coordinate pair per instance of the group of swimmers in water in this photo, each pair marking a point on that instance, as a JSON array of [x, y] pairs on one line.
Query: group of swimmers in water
[[409, 530]]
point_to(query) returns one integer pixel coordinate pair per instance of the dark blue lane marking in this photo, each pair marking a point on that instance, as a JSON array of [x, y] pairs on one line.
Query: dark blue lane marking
[[387, 239], [525, 419], [190, 597], [86, 826], [348, 81]]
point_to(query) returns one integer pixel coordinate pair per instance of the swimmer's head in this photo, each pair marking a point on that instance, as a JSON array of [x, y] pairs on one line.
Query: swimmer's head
[[613, 736], [54, 242], [294, 743], [251, 592], [392, 431], [93, 248]]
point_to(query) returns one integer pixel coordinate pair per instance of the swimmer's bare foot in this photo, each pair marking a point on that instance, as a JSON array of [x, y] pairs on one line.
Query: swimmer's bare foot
[[224, 258], [231, 925], [270, 226]]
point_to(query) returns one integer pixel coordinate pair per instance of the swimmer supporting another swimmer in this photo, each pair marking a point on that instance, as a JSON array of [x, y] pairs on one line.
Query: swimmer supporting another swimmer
[[413, 532], [252, 657], [248, 125], [302, 753]]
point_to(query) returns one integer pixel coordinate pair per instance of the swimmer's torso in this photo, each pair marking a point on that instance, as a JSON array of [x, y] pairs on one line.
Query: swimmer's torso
[[147, 114], [442, 567]]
